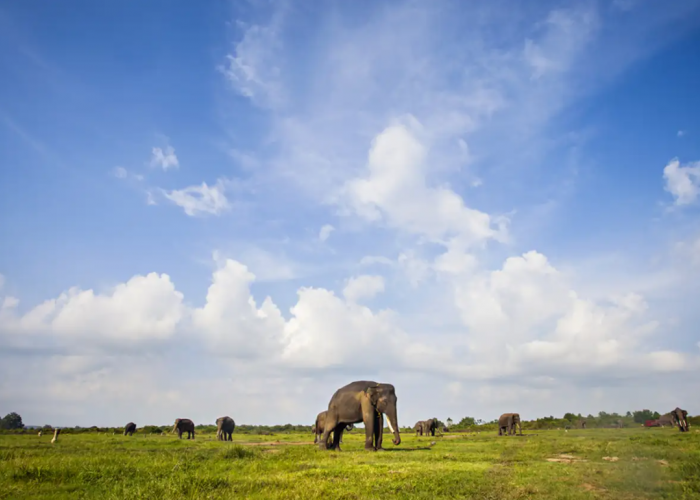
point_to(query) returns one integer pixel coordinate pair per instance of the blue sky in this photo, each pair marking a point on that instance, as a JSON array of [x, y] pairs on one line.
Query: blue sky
[[492, 206]]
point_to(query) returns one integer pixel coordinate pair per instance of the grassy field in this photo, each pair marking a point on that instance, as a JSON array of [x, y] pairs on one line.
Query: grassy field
[[605, 463]]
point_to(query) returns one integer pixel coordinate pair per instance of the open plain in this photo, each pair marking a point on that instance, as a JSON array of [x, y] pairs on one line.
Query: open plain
[[593, 463]]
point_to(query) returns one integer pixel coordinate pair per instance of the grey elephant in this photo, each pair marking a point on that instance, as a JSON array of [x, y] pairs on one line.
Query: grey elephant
[[129, 429], [430, 426], [581, 424], [320, 425], [224, 428], [362, 401], [184, 425], [667, 420], [508, 422], [680, 418], [419, 427]]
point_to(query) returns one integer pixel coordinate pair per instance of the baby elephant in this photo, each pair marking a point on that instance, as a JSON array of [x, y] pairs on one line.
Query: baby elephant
[[224, 428]]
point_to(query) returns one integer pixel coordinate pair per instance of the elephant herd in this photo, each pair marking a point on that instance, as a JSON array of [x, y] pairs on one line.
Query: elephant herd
[[224, 428], [368, 402]]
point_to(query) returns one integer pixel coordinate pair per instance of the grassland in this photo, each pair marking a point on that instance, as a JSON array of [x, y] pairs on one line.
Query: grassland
[[592, 463]]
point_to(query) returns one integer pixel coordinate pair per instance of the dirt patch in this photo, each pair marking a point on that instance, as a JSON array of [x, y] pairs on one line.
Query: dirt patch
[[662, 462], [611, 459], [565, 459], [591, 487]]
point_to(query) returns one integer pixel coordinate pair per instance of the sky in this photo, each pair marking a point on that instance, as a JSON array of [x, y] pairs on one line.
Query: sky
[[237, 207]]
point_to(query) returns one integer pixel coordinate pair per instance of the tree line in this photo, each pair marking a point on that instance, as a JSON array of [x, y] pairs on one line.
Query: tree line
[[12, 422]]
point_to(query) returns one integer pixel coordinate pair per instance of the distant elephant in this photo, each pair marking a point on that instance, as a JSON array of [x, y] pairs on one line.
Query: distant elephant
[[508, 422], [419, 427], [582, 424], [320, 425], [445, 429], [362, 401], [667, 420], [430, 426], [184, 425], [224, 428], [129, 429], [680, 418]]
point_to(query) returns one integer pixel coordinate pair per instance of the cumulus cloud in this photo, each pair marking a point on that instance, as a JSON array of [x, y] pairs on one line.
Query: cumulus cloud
[[363, 287], [164, 158], [395, 191], [199, 200], [682, 181], [142, 309]]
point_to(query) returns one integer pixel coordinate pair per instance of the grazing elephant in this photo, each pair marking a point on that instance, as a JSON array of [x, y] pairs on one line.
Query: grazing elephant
[[320, 425], [184, 425], [680, 418], [581, 424], [129, 429], [430, 426], [508, 422], [361, 401], [419, 427], [224, 428]]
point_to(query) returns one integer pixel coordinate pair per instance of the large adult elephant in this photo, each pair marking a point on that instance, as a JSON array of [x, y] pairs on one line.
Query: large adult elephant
[[129, 429], [184, 425], [362, 401], [320, 425], [224, 428], [508, 422], [419, 427], [430, 426], [680, 418]]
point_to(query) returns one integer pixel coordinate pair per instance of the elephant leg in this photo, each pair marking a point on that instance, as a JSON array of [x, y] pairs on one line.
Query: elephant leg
[[338, 435], [331, 422], [379, 431], [369, 421]]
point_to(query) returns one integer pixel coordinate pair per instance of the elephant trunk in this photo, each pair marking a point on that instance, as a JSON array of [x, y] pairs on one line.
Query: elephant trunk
[[393, 425]]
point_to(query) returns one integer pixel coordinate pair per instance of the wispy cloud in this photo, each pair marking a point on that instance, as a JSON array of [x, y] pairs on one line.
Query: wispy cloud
[[682, 181], [200, 200], [164, 158], [325, 232]]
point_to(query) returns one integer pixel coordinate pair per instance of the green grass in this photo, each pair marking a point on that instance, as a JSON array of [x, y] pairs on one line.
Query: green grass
[[651, 463]]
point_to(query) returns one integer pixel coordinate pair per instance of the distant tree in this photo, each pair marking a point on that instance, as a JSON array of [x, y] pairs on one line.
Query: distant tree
[[449, 422], [628, 414], [642, 416], [11, 421], [570, 417], [466, 422]]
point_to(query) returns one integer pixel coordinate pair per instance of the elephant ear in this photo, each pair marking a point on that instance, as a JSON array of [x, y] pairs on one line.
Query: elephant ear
[[373, 395]]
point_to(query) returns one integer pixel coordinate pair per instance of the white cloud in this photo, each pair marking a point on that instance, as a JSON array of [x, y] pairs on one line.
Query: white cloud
[[231, 322], [395, 191], [2, 281], [325, 232], [682, 181], [363, 287], [198, 200], [120, 172], [164, 158], [680, 133], [142, 309]]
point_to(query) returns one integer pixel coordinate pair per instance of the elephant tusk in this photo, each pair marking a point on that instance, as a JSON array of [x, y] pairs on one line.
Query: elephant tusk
[[388, 421]]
